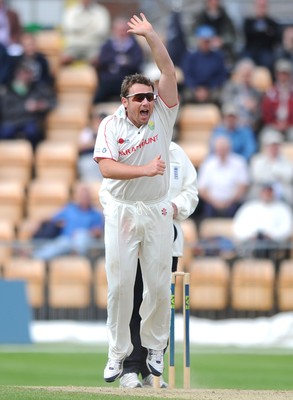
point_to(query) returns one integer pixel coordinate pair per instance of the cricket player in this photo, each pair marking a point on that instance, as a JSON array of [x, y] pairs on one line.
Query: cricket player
[[132, 149], [183, 194]]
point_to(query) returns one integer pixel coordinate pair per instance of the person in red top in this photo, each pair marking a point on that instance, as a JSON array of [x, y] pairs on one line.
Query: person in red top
[[277, 104]]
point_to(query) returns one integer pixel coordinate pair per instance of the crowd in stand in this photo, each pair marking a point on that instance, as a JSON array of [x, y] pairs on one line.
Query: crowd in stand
[[245, 149]]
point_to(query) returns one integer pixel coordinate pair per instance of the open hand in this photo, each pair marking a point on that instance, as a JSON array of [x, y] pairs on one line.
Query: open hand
[[139, 26]]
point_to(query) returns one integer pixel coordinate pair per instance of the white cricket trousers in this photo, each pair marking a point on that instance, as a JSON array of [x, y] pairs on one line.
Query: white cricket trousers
[[132, 230]]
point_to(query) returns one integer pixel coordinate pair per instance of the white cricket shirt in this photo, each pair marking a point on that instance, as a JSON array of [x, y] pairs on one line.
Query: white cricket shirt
[[119, 139]]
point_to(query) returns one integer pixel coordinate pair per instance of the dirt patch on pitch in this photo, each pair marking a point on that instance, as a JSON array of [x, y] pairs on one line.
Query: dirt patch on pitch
[[194, 394]]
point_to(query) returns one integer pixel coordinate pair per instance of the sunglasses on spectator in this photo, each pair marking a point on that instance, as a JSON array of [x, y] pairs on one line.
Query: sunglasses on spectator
[[139, 97]]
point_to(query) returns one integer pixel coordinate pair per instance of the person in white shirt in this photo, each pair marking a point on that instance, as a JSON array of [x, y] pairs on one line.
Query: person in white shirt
[[85, 27], [270, 164], [184, 196], [222, 180], [132, 149], [263, 224]]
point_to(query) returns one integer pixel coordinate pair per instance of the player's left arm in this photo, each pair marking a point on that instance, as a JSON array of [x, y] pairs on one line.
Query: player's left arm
[[167, 87]]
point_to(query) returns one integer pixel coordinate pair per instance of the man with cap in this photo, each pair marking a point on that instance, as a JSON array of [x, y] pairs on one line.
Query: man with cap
[[242, 137], [203, 69], [277, 104], [270, 164]]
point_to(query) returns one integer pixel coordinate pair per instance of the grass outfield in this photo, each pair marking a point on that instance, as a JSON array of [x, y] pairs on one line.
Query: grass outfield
[[82, 365]]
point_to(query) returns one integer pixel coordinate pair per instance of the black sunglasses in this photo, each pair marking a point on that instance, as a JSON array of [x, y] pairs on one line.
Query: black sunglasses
[[139, 97]]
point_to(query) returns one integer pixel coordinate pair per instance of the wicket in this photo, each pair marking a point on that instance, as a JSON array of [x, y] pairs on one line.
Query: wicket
[[186, 340]]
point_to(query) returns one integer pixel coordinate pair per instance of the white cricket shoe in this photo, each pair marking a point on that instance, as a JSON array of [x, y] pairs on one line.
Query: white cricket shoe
[[155, 361], [113, 370], [148, 382], [130, 381]]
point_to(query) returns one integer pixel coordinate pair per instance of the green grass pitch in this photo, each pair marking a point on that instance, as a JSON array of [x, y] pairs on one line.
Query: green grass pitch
[[82, 365]]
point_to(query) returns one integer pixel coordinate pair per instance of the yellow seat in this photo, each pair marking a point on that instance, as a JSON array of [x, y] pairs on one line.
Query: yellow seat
[[33, 272], [69, 282], [252, 285], [100, 284], [285, 286], [50, 43], [45, 198], [76, 78], [262, 78], [16, 161], [56, 161], [209, 284], [11, 201], [190, 235], [66, 116], [201, 118], [7, 235], [196, 151]]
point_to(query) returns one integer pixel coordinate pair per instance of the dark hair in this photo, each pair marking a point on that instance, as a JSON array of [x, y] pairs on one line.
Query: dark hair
[[130, 80]]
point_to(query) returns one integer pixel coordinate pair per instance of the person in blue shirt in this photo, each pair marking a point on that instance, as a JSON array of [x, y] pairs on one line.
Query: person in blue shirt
[[242, 137], [81, 224], [204, 69]]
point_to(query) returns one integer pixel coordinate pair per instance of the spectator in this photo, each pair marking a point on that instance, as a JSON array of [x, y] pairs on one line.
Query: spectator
[[263, 225], [10, 29], [242, 137], [176, 41], [120, 55], [277, 103], [38, 61], [246, 97], [222, 181], [5, 65], [88, 170], [271, 165], [285, 51], [85, 27], [261, 35], [214, 15], [80, 225], [203, 69], [23, 106]]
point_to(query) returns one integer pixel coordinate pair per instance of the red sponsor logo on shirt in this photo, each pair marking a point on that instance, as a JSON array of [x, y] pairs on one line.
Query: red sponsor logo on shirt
[[164, 211], [120, 140]]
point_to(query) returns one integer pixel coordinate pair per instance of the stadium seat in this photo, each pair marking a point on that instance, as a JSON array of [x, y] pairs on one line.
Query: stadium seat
[[209, 284], [56, 161], [67, 116], [69, 282], [16, 161], [262, 78], [76, 84], [44, 198], [285, 286], [100, 284], [7, 235], [33, 272], [26, 229], [196, 151], [193, 118], [63, 134], [287, 150], [11, 201], [50, 43], [190, 239], [252, 285], [212, 228]]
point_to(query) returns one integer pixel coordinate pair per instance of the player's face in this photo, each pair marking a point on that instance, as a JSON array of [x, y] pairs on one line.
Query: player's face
[[139, 104]]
